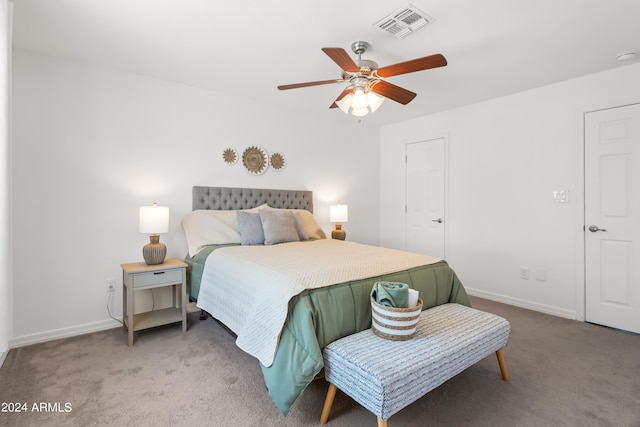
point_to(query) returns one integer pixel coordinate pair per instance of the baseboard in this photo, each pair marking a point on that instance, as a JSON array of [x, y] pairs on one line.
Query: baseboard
[[63, 333], [543, 308], [110, 323]]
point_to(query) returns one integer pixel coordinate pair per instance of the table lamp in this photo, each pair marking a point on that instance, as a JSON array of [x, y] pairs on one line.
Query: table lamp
[[154, 220], [338, 214]]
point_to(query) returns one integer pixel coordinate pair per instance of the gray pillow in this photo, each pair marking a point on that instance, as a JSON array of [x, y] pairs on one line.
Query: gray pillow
[[250, 227], [279, 226]]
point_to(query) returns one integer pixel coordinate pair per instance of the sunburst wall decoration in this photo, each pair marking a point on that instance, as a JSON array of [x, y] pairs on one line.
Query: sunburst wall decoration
[[230, 156], [277, 161], [255, 160]]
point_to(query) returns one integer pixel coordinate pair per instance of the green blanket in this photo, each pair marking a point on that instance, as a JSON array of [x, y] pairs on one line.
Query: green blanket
[[320, 316], [391, 294]]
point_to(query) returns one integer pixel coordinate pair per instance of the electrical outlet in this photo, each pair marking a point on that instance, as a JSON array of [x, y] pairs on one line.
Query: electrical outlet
[[111, 285], [541, 274], [524, 273]]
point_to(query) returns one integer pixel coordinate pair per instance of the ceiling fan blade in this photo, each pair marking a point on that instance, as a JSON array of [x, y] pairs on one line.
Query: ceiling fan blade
[[412, 66], [342, 58], [342, 95], [393, 92], [318, 83]]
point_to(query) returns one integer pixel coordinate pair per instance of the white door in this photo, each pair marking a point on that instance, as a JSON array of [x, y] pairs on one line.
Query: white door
[[425, 198], [612, 217]]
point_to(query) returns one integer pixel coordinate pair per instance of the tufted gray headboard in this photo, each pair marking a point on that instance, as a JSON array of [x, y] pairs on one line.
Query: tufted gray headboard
[[229, 198]]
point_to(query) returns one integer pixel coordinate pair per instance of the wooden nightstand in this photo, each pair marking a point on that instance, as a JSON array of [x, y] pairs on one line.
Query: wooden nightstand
[[138, 276]]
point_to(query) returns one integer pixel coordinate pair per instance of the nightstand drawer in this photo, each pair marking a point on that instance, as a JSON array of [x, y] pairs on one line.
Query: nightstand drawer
[[157, 277]]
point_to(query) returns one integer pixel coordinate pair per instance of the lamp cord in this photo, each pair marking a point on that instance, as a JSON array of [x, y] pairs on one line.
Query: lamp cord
[[109, 295]]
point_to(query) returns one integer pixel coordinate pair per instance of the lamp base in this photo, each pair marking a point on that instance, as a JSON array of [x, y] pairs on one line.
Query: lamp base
[[154, 252], [338, 233]]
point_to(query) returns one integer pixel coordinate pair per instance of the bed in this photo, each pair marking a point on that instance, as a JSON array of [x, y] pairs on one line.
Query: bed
[[287, 298]]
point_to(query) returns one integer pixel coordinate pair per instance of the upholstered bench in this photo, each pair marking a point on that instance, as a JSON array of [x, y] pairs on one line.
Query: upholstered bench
[[385, 376]]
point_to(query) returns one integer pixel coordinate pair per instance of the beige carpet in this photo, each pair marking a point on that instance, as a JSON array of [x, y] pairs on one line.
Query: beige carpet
[[563, 373]]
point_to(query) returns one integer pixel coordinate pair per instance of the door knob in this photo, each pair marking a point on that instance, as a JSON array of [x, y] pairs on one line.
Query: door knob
[[439, 220], [594, 228]]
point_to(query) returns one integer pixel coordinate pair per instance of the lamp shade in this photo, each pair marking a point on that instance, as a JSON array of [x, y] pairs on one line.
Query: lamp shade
[[359, 100], [375, 101], [338, 213], [345, 103], [154, 219]]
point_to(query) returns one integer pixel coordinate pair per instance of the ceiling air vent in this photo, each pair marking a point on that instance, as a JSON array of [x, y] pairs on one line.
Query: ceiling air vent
[[403, 21]]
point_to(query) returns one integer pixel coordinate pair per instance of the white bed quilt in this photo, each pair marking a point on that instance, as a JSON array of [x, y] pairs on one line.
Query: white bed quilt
[[248, 288]]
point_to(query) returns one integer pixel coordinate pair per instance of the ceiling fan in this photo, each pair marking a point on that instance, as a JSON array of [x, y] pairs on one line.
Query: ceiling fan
[[366, 79]]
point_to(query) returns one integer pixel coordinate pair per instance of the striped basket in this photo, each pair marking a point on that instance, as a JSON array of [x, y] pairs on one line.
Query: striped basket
[[397, 324]]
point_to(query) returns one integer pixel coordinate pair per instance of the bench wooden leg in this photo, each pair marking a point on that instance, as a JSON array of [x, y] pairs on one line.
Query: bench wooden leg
[[331, 394], [503, 365], [382, 423]]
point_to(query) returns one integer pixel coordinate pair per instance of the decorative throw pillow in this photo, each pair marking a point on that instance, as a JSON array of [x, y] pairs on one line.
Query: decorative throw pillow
[[279, 226], [302, 233], [311, 226], [250, 227]]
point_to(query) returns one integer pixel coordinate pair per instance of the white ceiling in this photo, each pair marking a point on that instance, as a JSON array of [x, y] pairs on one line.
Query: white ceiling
[[247, 48]]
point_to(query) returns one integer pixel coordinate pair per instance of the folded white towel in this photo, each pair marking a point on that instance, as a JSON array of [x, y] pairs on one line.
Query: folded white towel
[[413, 297]]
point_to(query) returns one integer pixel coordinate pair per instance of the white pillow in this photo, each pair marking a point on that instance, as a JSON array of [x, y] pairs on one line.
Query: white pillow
[[258, 208], [210, 227]]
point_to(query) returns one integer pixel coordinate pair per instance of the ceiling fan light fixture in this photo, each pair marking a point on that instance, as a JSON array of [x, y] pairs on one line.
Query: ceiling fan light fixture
[[360, 103], [345, 103], [375, 101], [359, 112], [359, 100]]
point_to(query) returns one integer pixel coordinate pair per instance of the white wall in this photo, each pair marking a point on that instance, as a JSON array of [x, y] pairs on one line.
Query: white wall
[[6, 10], [506, 157], [91, 145]]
